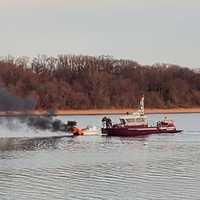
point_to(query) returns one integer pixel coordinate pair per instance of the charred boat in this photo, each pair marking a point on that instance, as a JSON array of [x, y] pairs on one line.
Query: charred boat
[[56, 125], [136, 124]]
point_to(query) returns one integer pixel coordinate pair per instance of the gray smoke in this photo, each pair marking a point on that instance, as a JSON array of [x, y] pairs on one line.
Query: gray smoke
[[50, 124], [45, 123], [29, 132], [26, 132], [9, 102]]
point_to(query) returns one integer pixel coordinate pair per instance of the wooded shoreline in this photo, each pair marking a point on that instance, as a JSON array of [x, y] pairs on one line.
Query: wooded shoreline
[[99, 112], [85, 82]]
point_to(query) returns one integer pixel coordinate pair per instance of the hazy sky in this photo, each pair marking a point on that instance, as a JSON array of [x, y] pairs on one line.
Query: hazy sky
[[147, 31]]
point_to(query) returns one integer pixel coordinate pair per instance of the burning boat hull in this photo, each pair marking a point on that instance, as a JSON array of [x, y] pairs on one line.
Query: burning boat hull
[[134, 132]]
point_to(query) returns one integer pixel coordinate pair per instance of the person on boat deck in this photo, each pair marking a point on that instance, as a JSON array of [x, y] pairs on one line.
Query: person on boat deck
[[107, 121], [123, 122], [104, 121]]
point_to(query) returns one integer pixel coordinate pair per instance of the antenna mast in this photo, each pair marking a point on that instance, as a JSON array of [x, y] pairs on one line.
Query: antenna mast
[[142, 105]]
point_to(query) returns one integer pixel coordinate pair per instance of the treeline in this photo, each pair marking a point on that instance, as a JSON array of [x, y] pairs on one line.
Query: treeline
[[82, 82]]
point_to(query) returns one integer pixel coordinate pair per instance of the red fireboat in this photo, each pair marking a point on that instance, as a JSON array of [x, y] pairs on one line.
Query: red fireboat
[[136, 124]]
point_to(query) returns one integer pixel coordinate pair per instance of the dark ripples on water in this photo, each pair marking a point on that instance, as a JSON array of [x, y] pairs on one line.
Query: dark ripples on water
[[156, 167]]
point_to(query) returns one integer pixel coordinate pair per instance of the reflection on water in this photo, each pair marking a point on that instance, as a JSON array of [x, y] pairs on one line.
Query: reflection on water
[[15, 143], [93, 167]]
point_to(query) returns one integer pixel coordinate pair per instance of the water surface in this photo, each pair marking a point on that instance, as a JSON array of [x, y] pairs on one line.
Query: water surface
[[94, 167]]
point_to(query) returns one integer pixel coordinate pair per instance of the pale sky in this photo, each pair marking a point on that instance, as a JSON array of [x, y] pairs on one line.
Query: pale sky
[[148, 31]]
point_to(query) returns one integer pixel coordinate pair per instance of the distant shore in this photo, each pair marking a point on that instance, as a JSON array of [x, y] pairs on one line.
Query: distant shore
[[101, 111], [123, 111]]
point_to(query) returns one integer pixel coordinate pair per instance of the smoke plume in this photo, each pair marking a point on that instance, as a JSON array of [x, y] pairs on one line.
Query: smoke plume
[[9, 102]]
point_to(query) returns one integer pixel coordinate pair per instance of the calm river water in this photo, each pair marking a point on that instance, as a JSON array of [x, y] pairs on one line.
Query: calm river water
[[94, 167]]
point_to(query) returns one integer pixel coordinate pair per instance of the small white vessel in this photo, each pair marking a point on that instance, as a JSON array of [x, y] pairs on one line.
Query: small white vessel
[[89, 130]]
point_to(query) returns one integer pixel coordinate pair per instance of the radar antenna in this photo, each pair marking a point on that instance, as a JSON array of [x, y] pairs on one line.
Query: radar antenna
[[142, 105]]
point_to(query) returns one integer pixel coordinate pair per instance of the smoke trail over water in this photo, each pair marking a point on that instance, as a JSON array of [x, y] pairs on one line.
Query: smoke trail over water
[[25, 124], [25, 132], [9, 102]]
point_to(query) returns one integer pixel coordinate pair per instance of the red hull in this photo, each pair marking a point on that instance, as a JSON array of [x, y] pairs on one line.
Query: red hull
[[133, 132]]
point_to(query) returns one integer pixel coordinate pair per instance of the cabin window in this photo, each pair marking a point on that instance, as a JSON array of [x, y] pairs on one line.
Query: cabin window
[[140, 120], [130, 120]]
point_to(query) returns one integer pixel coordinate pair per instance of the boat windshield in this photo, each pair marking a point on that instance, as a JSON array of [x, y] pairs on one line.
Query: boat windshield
[[133, 120]]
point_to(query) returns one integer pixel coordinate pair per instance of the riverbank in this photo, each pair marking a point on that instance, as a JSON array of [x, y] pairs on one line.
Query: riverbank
[[102, 111], [123, 111]]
